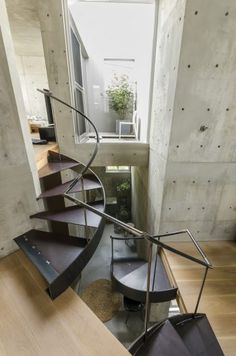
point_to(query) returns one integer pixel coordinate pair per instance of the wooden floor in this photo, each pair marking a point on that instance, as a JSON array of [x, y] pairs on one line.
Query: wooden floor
[[219, 296], [31, 324], [41, 151]]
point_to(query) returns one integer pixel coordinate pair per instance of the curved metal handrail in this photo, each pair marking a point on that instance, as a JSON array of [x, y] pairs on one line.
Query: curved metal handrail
[[87, 166]]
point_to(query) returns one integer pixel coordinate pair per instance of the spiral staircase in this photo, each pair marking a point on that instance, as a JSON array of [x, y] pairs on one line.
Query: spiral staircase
[[60, 258]]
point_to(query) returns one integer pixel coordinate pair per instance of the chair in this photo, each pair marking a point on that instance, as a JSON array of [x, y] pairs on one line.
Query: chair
[[133, 123]]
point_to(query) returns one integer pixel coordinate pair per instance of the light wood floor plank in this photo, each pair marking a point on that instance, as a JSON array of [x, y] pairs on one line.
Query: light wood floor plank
[[32, 324]]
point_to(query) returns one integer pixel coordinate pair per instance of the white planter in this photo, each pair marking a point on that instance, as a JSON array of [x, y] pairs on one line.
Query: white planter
[[125, 129]]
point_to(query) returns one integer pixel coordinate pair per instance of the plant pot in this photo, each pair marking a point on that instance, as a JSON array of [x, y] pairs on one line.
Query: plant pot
[[125, 129]]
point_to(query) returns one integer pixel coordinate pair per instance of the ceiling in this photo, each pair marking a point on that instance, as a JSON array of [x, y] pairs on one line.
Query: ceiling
[[25, 27]]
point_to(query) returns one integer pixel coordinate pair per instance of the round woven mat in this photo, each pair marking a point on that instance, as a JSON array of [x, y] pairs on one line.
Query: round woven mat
[[101, 299]]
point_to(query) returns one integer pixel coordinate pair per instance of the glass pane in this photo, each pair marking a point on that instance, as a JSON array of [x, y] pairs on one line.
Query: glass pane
[[80, 106], [118, 169], [124, 168], [76, 59]]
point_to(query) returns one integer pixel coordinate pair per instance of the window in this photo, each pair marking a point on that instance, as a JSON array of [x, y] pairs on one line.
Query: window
[[80, 106], [77, 59], [118, 67], [78, 85], [117, 169]]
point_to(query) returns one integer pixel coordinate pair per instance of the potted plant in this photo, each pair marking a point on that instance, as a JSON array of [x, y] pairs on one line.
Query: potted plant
[[120, 96], [123, 188]]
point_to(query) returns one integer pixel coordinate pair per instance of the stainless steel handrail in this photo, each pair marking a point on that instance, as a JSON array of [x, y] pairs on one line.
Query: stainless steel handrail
[[50, 95], [86, 167], [186, 231]]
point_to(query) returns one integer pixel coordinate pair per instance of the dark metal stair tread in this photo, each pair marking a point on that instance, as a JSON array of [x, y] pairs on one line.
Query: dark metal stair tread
[[123, 266], [136, 278], [90, 182], [73, 215], [198, 336], [56, 163], [52, 253], [164, 341]]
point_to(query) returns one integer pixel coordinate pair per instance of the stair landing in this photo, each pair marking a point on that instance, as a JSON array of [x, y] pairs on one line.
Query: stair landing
[[219, 295]]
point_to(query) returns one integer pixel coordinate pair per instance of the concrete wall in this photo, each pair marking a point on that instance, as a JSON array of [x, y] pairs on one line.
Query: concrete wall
[[200, 190], [54, 34], [139, 178], [192, 146], [26, 34], [169, 35], [18, 175], [115, 31]]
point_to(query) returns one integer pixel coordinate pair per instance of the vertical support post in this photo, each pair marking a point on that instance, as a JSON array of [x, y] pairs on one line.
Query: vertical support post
[[154, 272], [147, 303], [85, 212], [201, 289], [112, 253]]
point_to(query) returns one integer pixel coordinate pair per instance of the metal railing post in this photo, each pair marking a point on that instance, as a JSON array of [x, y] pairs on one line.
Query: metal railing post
[[147, 302], [85, 211], [154, 272], [201, 290], [112, 254]]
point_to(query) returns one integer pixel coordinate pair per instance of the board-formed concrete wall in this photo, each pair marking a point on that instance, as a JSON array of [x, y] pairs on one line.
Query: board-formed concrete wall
[[18, 175], [192, 167], [169, 35], [27, 40], [200, 189]]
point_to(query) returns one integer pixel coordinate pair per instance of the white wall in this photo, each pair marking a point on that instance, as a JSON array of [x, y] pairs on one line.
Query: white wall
[[116, 31]]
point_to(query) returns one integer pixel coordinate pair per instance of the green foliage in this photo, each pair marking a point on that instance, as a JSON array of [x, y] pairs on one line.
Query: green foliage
[[123, 186], [120, 95]]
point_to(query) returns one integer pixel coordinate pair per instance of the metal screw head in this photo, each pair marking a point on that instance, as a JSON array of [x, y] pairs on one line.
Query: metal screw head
[[48, 262]]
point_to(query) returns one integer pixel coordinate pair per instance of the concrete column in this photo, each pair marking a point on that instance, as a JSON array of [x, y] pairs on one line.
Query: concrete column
[[53, 18], [192, 165], [18, 176]]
